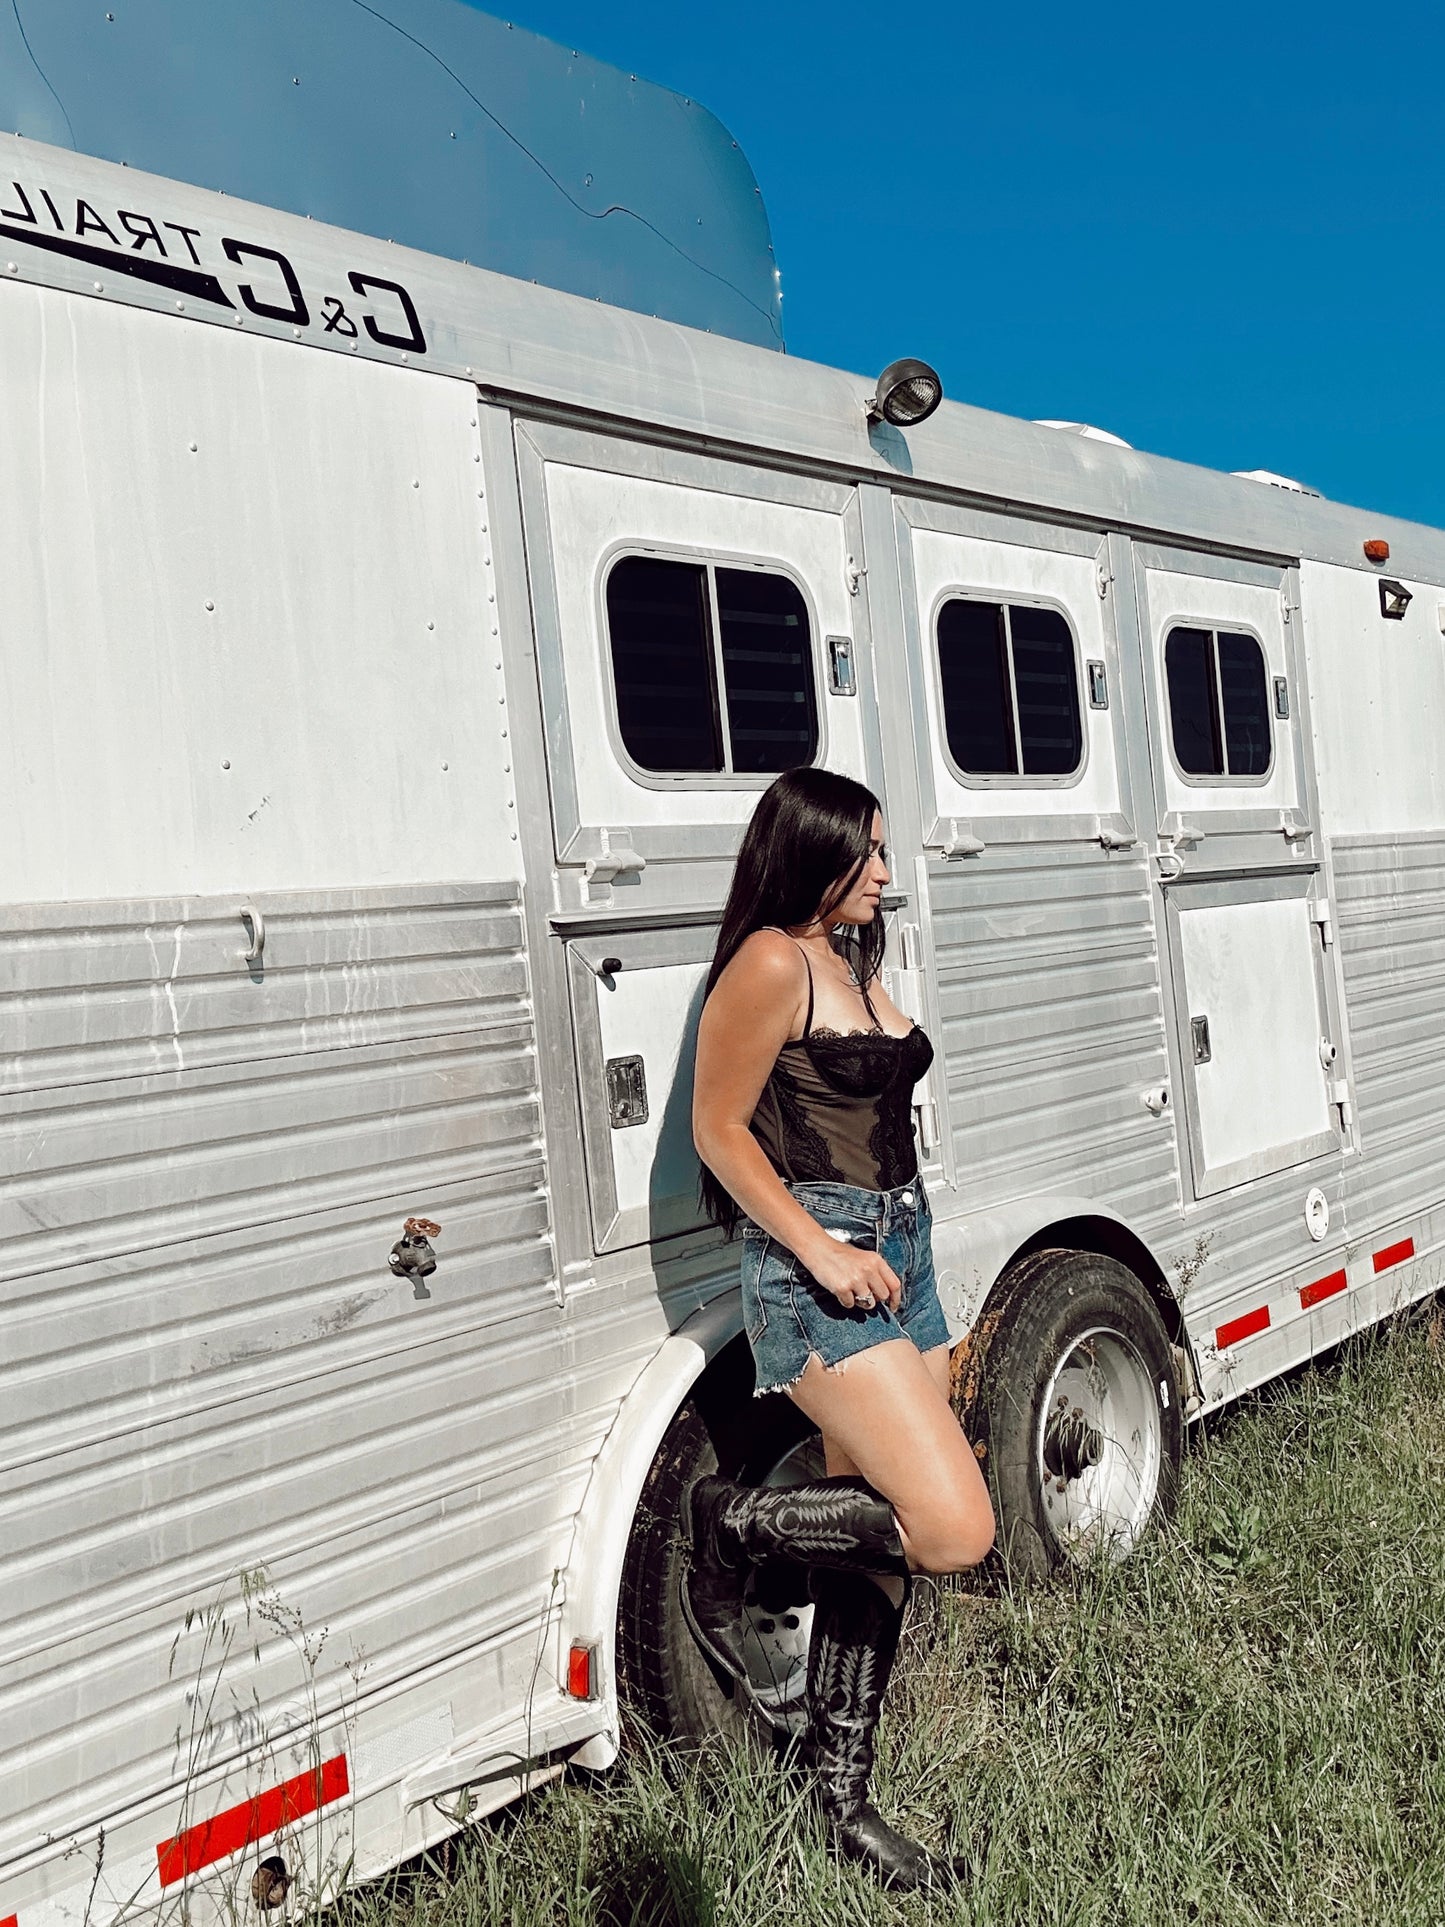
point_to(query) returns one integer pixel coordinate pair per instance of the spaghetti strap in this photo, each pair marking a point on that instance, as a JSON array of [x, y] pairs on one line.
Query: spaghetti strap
[[808, 1020]]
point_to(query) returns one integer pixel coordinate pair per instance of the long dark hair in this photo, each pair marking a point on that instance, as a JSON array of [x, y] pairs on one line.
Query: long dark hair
[[801, 854]]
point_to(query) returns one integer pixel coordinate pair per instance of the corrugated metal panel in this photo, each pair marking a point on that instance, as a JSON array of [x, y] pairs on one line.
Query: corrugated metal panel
[[210, 1365], [1390, 901], [1048, 981]]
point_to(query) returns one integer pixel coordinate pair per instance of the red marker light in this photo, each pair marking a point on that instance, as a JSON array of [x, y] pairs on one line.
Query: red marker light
[[1378, 551], [579, 1672]]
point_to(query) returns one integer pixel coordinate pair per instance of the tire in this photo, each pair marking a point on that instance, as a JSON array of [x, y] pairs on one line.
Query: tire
[[663, 1675], [1070, 1395]]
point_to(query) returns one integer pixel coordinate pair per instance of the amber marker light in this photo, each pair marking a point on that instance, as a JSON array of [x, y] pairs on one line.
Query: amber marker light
[[1377, 551]]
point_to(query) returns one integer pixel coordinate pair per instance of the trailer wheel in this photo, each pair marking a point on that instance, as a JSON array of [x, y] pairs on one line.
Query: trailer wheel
[[663, 1674], [1069, 1393]]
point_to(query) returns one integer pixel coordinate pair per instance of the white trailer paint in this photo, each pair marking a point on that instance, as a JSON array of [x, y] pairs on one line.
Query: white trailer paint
[[318, 843]]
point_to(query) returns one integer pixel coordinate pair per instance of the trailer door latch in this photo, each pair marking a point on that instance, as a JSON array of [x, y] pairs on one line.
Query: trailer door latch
[[626, 1091]]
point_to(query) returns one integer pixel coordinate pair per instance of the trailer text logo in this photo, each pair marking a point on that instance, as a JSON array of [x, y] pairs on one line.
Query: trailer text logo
[[164, 253]]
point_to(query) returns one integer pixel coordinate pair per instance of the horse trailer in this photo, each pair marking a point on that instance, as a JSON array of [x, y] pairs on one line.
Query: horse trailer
[[392, 654]]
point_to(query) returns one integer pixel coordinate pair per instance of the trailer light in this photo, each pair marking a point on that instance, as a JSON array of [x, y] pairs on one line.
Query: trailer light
[[1395, 598], [1377, 551], [579, 1672], [908, 393]]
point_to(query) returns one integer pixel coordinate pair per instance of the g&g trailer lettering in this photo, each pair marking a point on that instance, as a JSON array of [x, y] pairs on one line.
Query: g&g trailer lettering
[[379, 722]]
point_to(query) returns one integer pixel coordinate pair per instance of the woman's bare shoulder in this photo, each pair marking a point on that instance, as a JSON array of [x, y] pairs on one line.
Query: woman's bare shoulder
[[766, 968], [769, 956]]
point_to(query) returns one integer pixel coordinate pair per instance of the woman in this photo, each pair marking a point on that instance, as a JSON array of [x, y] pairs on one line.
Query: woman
[[802, 1116]]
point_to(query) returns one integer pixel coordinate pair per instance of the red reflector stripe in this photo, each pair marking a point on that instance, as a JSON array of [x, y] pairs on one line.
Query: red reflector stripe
[[238, 1826], [1323, 1288], [1394, 1254], [10, 1920], [1246, 1327]]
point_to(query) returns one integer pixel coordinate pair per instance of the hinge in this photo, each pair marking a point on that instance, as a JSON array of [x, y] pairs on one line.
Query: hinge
[[613, 860], [961, 841], [1320, 914], [1340, 1095]]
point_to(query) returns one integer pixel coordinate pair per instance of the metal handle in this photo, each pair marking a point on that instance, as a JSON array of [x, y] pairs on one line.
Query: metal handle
[[257, 931]]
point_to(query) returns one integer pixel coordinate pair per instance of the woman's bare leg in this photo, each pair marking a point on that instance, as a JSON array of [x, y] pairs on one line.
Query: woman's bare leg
[[940, 1368], [884, 1414]]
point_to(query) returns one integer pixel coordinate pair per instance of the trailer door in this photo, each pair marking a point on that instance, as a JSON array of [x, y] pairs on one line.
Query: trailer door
[[1035, 914], [701, 625], [1238, 863]]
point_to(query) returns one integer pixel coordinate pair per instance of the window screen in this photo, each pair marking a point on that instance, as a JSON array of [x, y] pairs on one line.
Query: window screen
[[1218, 702], [767, 670], [713, 668], [1010, 690]]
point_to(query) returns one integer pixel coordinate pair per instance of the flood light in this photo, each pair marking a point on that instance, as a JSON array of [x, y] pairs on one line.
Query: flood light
[[908, 393], [1395, 598]]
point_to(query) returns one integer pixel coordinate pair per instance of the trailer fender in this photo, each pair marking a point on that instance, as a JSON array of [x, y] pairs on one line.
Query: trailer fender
[[972, 1252], [604, 1525]]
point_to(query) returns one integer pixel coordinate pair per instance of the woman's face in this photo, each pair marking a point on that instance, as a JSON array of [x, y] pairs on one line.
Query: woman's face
[[861, 903]]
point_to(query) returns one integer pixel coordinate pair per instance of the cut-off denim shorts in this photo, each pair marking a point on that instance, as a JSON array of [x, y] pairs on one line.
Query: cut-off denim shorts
[[789, 1315]]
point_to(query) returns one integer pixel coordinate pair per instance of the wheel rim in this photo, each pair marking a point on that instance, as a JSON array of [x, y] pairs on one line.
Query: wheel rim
[[776, 1627], [1099, 1445]]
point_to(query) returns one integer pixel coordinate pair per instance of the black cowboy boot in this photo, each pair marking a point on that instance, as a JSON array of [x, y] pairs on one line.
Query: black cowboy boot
[[855, 1637], [840, 1523]]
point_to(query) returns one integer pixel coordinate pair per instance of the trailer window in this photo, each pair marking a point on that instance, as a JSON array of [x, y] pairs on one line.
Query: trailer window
[[1218, 702], [1010, 689], [713, 668]]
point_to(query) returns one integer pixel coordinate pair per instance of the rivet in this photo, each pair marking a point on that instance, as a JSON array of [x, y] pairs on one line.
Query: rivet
[[476, 458], [295, 80], [12, 267], [491, 596], [415, 482], [446, 765], [210, 605], [431, 625], [225, 762], [297, 333], [193, 447], [99, 286], [180, 307]]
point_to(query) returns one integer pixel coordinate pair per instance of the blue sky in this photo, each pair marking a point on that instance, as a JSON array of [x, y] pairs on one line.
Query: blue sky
[[1216, 232]]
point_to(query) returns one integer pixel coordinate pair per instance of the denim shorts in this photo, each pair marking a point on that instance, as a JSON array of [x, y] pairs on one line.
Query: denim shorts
[[789, 1315]]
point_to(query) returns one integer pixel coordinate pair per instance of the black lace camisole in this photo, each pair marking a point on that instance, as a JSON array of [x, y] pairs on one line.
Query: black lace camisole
[[838, 1105]]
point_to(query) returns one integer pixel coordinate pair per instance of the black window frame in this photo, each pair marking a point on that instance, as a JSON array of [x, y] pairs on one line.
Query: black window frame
[[1017, 778], [729, 776], [1224, 778]]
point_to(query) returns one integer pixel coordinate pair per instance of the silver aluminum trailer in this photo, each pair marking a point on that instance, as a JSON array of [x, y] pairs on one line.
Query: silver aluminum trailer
[[335, 892]]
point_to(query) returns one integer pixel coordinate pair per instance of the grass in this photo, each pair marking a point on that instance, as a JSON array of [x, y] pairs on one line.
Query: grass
[[1243, 1723]]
